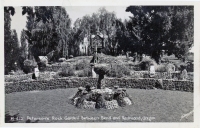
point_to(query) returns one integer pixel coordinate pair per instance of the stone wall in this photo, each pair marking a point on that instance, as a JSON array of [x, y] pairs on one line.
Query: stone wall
[[135, 74], [27, 77], [109, 82], [160, 75]]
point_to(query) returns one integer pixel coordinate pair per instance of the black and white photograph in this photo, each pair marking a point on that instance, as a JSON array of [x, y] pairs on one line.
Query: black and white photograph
[[99, 64]]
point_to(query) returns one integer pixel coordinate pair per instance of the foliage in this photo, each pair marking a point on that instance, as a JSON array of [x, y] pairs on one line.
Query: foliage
[[160, 68], [19, 72], [47, 30], [11, 47], [102, 69], [82, 64], [190, 67], [29, 66], [157, 28], [42, 66], [144, 64], [24, 44], [66, 71], [101, 21], [86, 72], [118, 70]]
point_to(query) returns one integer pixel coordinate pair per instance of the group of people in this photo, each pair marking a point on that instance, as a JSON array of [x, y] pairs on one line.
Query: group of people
[[100, 96]]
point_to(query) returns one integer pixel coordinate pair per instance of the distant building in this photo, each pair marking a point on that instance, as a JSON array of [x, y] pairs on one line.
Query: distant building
[[83, 47]]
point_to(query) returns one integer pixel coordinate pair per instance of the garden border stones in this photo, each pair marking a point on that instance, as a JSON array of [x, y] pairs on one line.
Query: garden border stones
[[76, 82]]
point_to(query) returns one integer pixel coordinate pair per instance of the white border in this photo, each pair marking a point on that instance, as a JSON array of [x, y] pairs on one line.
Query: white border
[[106, 3]]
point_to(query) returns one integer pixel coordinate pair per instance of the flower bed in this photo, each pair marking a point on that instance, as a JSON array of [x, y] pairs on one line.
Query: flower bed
[[109, 82]]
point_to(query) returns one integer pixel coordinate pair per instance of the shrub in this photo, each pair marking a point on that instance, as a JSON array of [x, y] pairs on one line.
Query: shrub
[[66, 71], [87, 71], [160, 68], [144, 64], [82, 64], [190, 67], [170, 67], [117, 70], [84, 73], [42, 66], [29, 66], [19, 72], [101, 69]]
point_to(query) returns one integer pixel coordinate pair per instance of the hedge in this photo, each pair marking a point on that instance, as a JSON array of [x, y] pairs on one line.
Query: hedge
[[109, 82], [51, 68]]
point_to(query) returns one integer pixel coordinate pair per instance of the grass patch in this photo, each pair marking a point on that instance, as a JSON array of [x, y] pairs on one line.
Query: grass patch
[[161, 105]]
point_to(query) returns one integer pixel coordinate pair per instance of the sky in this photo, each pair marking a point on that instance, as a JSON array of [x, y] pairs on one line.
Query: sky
[[19, 21]]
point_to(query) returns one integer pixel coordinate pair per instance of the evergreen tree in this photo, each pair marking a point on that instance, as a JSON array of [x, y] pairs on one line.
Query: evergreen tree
[[11, 44]]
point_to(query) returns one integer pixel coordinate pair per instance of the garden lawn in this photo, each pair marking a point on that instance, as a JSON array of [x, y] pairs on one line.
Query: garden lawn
[[157, 105]]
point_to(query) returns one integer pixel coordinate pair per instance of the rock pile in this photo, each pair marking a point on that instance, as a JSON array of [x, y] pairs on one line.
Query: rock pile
[[107, 98]]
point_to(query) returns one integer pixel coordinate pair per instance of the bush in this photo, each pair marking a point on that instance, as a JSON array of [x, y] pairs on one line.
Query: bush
[[19, 72], [170, 67], [29, 66], [160, 68], [190, 67], [66, 71], [84, 73], [42, 66], [101, 69], [82, 65], [118, 71], [144, 64], [64, 64]]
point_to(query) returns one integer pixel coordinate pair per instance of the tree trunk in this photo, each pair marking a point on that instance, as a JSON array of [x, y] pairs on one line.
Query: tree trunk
[[99, 81]]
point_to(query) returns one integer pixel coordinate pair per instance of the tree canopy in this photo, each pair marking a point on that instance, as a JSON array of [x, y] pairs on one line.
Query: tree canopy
[[158, 28], [150, 30], [11, 43]]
